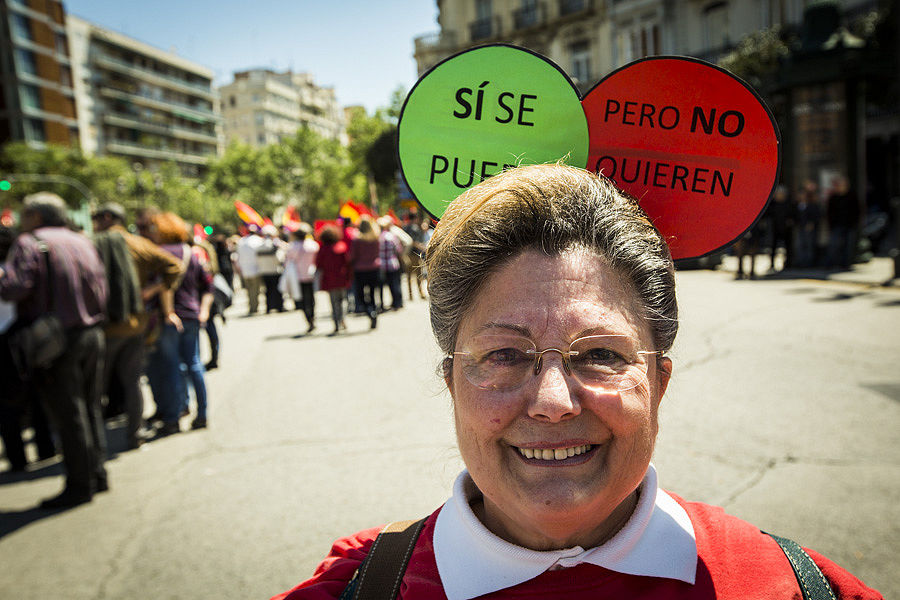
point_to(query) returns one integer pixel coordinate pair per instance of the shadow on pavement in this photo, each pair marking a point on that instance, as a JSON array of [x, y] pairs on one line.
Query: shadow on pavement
[[888, 390], [12, 521]]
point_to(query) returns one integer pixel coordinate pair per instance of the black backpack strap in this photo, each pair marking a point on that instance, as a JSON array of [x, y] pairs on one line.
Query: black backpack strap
[[380, 574], [812, 583]]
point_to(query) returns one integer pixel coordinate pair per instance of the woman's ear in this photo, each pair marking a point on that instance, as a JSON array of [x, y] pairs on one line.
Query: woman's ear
[[447, 372], [663, 374]]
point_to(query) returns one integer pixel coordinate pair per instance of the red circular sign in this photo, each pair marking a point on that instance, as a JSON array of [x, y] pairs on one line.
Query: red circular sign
[[695, 145]]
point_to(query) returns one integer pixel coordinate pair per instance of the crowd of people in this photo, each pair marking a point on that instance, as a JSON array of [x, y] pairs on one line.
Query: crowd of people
[[814, 229], [124, 306], [132, 306], [353, 264]]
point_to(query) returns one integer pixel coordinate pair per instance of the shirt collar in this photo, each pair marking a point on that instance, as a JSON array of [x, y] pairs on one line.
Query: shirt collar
[[657, 541]]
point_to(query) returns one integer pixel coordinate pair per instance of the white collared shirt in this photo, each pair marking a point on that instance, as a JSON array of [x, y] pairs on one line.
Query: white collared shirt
[[657, 541]]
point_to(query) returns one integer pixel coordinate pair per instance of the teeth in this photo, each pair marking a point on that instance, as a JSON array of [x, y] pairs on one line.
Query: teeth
[[554, 453]]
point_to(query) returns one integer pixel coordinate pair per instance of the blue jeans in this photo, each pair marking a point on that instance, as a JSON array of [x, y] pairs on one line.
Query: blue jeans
[[189, 358], [164, 372]]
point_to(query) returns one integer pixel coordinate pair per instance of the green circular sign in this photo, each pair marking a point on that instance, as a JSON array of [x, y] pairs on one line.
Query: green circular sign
[[5, 185], [484, 110]]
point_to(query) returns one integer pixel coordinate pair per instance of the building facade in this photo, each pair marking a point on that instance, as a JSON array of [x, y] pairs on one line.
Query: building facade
[[828, 96], [37, 100], [141, 103], [262, 107], [590, 38]]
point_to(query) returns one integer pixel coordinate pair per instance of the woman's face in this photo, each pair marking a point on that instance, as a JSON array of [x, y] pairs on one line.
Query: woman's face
[[583, 499]]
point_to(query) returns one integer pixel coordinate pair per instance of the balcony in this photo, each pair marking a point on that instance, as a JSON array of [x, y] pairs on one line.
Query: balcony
[[528, 16], [571, 7], [141, 150], [482, 29], [193, 113], [118, 119], [440, 42], [121, 66]]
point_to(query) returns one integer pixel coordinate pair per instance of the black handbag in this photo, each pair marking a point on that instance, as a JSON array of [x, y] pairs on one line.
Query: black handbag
[[36, 345]]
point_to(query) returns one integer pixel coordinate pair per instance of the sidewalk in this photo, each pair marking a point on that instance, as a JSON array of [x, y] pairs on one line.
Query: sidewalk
[[878, 272]]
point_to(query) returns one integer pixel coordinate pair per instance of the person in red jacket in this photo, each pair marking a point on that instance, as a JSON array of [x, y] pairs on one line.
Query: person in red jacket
[[334, 269], [553, 298]]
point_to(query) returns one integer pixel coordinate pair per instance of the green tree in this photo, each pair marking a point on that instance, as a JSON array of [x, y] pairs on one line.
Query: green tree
[[243, 173], [757, 57]]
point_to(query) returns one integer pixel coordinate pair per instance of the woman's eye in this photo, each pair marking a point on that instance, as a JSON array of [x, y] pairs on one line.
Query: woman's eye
[[601, 357], [504, 356]]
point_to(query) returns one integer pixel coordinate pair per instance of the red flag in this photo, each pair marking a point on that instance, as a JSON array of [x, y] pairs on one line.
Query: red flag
[[247, 214], [321, 223], [393, 216], [291, 218]]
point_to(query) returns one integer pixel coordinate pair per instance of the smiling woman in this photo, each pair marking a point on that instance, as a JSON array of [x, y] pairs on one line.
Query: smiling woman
[[553, 299]]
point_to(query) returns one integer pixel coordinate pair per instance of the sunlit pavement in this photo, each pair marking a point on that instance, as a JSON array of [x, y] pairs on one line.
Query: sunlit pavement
[[784, 408]]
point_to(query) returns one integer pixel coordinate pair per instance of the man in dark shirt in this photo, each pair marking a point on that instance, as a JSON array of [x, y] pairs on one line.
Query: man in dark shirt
[[75, 289]]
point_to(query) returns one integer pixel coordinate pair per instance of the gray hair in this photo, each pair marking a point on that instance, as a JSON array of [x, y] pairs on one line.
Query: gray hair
[[551, 208], [49, 207]]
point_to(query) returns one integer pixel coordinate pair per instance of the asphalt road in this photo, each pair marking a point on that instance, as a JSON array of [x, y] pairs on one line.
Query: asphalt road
[[784, 408]]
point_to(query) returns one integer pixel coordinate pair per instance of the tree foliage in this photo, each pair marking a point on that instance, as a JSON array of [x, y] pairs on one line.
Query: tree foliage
[[757, 57], [305, 170]]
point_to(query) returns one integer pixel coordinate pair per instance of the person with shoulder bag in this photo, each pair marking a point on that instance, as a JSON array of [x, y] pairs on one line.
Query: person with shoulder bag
[[55, 272]]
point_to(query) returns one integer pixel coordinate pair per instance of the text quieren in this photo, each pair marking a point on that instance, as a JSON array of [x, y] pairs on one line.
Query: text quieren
[[665, 175]]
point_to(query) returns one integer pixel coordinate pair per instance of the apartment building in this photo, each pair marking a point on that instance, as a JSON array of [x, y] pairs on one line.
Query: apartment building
[[141, 103], [262, 107], [573, 33], [590, 38], [37, 101]]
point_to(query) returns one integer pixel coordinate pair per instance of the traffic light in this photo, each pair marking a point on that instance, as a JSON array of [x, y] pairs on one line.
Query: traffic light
[[5, 185]]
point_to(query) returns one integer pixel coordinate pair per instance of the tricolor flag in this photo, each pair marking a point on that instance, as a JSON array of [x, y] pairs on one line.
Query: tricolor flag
[[349, 211], [247, 214]]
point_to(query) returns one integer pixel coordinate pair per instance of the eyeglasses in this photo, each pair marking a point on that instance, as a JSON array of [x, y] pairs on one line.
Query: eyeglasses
[[609, 363]]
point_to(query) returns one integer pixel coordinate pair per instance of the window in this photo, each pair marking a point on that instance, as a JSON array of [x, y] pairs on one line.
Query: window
[[25, 61], [481, 28], [30, 96], [581, 60], [34, 130], [483, 9], [62, 45], [527, 15], [21, 27], [232, 101], [65, 76], [715, 26]]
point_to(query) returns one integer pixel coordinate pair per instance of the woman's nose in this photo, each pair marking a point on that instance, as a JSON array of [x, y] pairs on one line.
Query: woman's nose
[[553, 400]]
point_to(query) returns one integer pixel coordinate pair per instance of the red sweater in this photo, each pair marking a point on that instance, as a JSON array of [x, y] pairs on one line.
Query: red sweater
[[735, 562]]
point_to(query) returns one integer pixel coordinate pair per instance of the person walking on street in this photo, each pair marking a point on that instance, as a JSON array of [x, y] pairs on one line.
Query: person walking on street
[[390, 250], [843, 224], [781, 224], [179, 342], [52, 269], [300, 266], [808, 215], [270, 258], [366, 264], [125, 332], [415, 254], [331, 263], [248, 266]]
